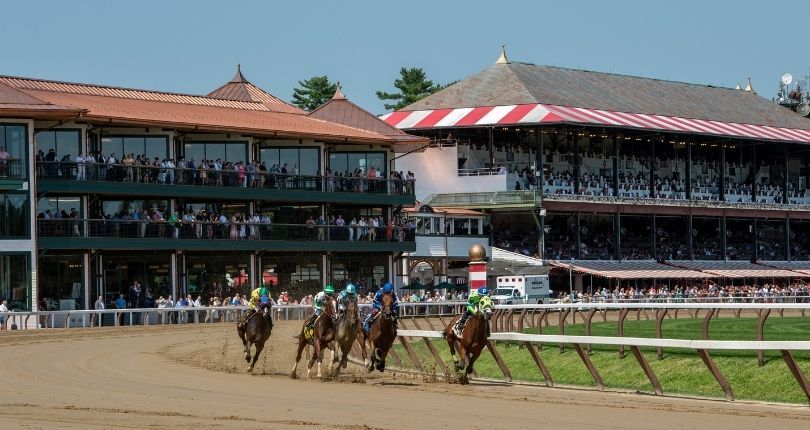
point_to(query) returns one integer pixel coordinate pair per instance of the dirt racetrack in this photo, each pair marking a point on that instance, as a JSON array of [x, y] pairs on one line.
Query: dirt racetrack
[[194, 377]]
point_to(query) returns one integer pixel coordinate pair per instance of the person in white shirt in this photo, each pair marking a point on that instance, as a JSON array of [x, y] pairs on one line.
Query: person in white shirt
[[80, 167], [352, 226]]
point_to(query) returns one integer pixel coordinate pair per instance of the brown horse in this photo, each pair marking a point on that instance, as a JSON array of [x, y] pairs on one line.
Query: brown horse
[[382, 334], [346, 332], [473, 340], [255, 332], [323, 335]]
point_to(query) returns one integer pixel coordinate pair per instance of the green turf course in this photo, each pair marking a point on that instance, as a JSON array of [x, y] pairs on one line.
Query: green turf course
[[681, 372]]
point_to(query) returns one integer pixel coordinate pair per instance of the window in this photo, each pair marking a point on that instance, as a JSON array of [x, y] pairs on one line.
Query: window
[[62, 142], [14, 140], [15, 281], [307, 159], [14, 217], [151, 146], [61, 281], [58, 204], [348, 162], [224, 151]]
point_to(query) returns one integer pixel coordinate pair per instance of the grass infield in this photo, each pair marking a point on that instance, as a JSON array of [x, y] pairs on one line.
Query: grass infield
[[681, 372]]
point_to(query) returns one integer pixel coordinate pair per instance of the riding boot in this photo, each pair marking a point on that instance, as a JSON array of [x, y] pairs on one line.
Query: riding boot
[[311, 321], [246, 317], [463, 320]]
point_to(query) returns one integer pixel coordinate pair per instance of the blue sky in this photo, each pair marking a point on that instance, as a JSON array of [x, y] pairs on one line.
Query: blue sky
[[194, 46]]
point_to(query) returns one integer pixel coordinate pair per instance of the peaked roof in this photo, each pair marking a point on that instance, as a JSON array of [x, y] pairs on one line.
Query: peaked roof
[[511, 83], [240, 89], [342, 111], [36, 98], [14, 100]]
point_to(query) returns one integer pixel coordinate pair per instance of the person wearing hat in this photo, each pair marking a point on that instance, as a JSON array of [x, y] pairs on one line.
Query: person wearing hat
[[259, 299], [478, 300], [319, 302], [348, 294]]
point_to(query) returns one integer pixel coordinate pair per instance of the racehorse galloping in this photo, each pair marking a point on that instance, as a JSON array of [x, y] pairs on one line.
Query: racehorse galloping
[[473, 340], [255, 332], [323, 334], [382, 334], [347, 326]]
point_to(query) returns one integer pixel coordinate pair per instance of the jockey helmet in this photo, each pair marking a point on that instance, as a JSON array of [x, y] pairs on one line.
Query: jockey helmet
[[264, 300], [329, 289], [388, 288], [474, 294], [350, 289], [483, 291], [263, 291]]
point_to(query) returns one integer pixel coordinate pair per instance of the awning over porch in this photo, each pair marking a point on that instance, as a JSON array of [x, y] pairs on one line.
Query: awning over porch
[[686, 269], [740, 269], [537, 113], [631, 270]]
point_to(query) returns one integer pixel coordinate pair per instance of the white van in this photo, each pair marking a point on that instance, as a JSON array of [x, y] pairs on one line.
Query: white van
[[512, 290]]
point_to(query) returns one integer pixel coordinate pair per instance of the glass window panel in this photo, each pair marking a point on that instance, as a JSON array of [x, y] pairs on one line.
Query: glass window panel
[[290, 157], [356, 161], [214, 151], [133, 145], [13, 216], [57, 204], [67, 142], [157, 147], [235, 152], [196, 151], [309, 161], [60, 281], [14, 281], [15, 141], [45, 141], [269, 156], [113, 147], [377, 161], [338, 162]]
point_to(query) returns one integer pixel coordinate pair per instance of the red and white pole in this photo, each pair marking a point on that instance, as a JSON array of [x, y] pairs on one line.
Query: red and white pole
[[478, 267]]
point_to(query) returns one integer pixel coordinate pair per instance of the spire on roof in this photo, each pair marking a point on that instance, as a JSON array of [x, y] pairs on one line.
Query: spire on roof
[[750, 88], [238, 77], [338, 93], [502, 58], [738, 87]]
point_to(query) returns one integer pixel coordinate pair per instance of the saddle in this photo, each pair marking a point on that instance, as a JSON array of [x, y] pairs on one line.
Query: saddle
[[308, 332]]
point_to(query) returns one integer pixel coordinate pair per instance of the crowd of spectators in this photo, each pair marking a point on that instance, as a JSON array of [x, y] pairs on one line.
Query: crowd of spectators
[[96, 166], [749, 293]]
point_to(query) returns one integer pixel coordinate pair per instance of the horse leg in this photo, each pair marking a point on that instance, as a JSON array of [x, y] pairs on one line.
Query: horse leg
[[463, 359], [371, 357], [315, 353], [301, 345], [259, 347], [361, 339], [452, 345], [244, 344], [471, 362]]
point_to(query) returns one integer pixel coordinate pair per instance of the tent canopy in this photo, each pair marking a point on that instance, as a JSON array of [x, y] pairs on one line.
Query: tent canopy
[[683, 269]]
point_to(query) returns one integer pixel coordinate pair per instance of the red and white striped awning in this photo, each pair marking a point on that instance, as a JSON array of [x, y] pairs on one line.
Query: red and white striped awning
[[548, 114]]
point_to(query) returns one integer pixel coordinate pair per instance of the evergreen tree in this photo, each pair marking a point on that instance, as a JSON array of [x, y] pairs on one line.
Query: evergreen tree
[[413, 85], [313, 92]]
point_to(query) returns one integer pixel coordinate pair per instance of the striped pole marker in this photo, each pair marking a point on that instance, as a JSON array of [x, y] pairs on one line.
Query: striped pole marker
[[478, 275]]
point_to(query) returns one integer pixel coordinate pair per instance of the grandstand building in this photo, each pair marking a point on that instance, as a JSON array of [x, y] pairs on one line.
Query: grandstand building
[[619, 176], [102, 187]]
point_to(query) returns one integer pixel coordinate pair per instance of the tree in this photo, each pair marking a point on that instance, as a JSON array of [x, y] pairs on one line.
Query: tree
[[413, 85], [313, 92]]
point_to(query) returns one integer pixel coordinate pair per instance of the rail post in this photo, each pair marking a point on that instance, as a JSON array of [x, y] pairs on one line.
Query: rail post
[[540, 364], [563, 315], [505, 370], [645, 366], [620, 328], [659, 320], [762, 315], [591, 368]]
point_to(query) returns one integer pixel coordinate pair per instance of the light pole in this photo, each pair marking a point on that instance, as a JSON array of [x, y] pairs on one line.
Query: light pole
[[571, 279]]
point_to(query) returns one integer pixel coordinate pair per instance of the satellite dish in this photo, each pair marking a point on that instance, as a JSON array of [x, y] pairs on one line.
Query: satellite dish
[[787, 78], [803, 109]]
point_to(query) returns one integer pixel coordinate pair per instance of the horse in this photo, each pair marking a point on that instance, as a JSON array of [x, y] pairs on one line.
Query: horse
[[346, 332], [381, 336], [473, 340], [323, 335], [255, 332]]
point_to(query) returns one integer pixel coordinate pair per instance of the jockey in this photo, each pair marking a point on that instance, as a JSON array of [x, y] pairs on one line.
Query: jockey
[[318, 303], [377, 305], [259, 298], [478, 300], [349, 294]]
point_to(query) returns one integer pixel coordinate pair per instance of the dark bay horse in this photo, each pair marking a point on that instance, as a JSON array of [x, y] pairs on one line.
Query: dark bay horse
[[346, 332], [382, 334], [323, 335], [255, 332], [473, 340]]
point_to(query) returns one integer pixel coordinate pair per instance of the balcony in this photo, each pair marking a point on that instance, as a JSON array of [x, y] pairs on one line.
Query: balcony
[[12, 174], [482, 200], [161, 235], [91, 178]]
